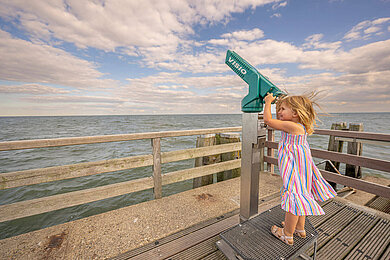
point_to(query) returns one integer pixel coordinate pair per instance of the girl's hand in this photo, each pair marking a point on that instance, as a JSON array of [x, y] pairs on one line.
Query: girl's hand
[[269, 98]]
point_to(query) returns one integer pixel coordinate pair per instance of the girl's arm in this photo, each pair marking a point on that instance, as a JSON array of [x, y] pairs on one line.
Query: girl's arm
[[285, 126]]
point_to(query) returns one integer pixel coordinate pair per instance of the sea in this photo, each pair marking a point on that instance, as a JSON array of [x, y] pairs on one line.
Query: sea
[[42, 127]]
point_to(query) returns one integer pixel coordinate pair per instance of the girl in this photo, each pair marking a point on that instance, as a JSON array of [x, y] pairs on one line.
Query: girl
[[302, 181]]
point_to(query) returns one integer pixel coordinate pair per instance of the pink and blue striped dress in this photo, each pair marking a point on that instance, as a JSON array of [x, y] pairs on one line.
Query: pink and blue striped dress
[[303, 183]]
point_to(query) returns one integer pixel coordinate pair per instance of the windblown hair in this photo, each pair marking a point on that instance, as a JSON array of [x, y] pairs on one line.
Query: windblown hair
[[303, 105]]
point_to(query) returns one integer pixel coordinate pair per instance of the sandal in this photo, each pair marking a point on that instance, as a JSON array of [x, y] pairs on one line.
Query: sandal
[[300, 233], [286, 239]]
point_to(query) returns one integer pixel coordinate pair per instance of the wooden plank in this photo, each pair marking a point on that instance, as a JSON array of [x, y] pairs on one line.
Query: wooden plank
[[35, 176], [373, 244], [376, 164], [60, 201], [348, 238], [41, 143], [46, 204], [198, 251], [191, 173], [331, 208], [359, 184], [372, 163], [330, 228], [358, 135], [183, 243], [217, 255], [157, 180], [174, 236], [272, 160], [192, 153]]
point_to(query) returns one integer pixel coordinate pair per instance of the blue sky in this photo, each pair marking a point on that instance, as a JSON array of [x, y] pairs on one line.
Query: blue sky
[[116, 57]]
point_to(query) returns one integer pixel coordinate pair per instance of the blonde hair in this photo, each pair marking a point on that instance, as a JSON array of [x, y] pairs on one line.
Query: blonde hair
[[303, 105]]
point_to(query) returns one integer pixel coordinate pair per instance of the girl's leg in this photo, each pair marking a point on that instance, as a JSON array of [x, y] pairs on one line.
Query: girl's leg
[[301, 223], [286, 234], [290, 222], [300, 228]]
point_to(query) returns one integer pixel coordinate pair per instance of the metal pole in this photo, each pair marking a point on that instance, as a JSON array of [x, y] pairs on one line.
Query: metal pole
[[250, 167]]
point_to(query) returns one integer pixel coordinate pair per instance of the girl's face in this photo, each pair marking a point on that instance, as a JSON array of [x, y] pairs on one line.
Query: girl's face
[[285, 113]]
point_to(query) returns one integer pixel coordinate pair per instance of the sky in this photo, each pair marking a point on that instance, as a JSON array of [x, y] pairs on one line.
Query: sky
[[117, 57]]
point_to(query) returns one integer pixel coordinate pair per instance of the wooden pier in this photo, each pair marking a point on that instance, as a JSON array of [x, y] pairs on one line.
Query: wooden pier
[[346, 231]]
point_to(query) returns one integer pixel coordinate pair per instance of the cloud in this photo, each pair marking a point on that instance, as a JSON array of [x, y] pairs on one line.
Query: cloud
[[371, 57], [73, 99], [313, 42], [34, 89], [277, 15], [25, 61], [162, 37], [108, 25], [365, 29], [279, 5], [244, 35]]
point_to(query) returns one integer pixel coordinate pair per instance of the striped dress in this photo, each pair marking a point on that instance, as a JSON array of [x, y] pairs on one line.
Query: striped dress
[[303, 183]]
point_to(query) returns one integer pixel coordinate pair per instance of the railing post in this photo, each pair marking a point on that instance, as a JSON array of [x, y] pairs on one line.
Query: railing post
[[157, 179], [335, 146], [202, 141], [225, 138], [356, 149], [270, 151]]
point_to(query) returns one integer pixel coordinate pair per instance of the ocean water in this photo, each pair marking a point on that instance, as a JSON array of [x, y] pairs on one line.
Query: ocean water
[[27, 128]]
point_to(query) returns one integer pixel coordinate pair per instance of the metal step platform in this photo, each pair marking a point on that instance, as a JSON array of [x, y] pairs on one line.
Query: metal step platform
[[253, 239]]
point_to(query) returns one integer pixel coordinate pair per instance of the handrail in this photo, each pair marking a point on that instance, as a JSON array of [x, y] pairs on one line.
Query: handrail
[[55, 173], [355, 134], [42, 143], [372, 163], [46, 204]]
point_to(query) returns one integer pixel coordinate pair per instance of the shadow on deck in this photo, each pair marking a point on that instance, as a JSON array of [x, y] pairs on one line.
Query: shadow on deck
[[346, 231]]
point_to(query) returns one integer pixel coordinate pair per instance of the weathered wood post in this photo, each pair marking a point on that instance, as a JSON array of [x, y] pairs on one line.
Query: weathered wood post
[[157, 179], [335, 146], [225, 138], [354, 148], [201, 141]]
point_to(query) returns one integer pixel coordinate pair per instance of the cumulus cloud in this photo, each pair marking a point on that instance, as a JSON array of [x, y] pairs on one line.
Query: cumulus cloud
[[25, 61], [314, 42], [112, 24], [245, 35], [365, 29], [160, 37]]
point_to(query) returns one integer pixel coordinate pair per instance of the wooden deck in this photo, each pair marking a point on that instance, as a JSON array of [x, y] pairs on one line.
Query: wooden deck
[[346, 231]]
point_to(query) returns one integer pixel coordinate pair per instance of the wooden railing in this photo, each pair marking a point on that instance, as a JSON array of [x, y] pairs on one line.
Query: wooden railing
[[371, 163], [156, 158]]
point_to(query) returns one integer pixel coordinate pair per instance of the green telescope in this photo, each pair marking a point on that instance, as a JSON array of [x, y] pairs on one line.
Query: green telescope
[[259, 85]]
